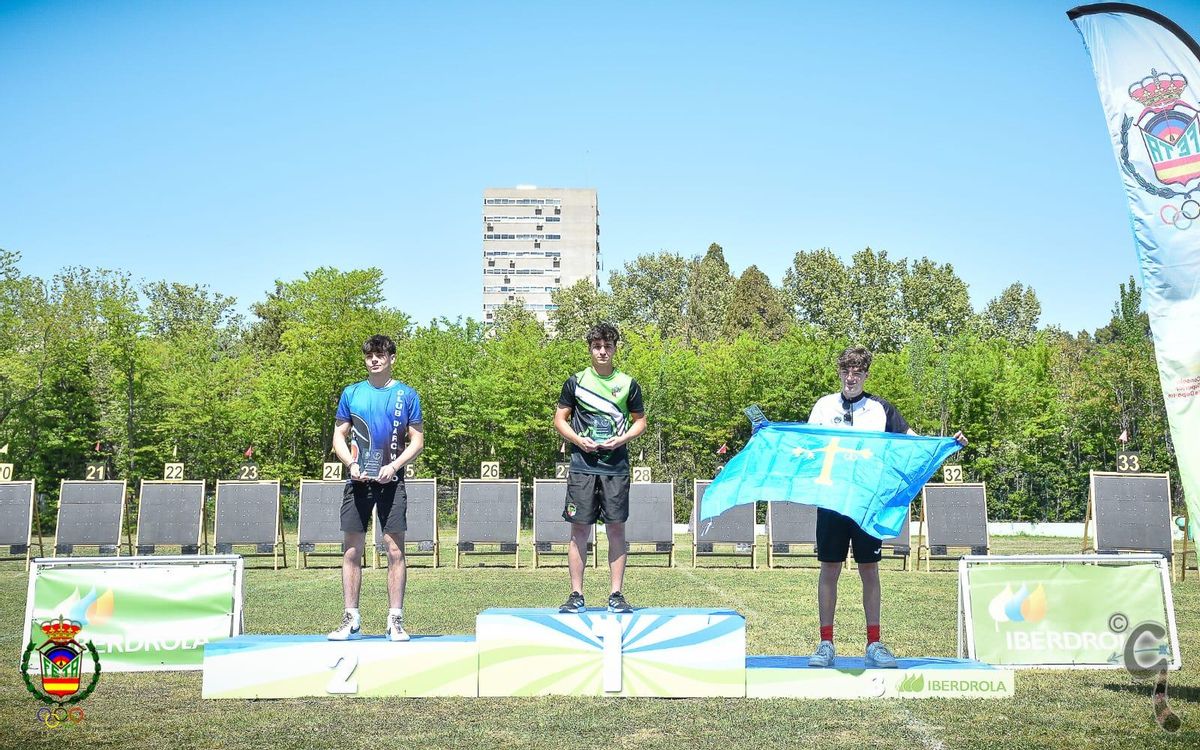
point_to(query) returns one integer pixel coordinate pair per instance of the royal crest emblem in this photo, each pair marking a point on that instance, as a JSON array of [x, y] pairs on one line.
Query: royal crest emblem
[[1169, 127], [1170, 130], [61, 660]]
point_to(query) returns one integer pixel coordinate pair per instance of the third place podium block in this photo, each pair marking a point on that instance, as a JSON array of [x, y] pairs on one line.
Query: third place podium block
[[652, 652], [791, 677]]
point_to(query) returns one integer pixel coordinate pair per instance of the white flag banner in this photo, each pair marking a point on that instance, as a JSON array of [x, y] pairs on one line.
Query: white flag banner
[[1148, 73]]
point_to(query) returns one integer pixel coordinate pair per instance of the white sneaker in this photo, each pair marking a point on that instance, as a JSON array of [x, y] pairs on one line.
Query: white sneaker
[[823, 656], [395, 628], [347, 631], [879, 656]]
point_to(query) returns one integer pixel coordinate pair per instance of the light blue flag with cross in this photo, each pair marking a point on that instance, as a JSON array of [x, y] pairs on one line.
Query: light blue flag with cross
[[870, 477]]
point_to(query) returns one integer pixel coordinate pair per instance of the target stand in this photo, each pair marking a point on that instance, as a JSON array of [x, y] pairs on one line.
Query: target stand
[[18, 519]]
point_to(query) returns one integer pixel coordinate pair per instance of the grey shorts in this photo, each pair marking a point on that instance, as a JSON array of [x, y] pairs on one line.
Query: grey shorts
[[591, 495]]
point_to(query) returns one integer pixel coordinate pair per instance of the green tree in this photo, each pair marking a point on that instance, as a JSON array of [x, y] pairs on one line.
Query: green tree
[[325, 317], [710, 286], [756, 308], [578, 307], [933, 298], [205, 376], [875, 300], [25, 326], [817, 287], [1013, 315], [651, 290]]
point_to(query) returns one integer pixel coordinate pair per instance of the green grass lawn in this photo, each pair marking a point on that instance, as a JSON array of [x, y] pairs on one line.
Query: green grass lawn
[[1051, 709]]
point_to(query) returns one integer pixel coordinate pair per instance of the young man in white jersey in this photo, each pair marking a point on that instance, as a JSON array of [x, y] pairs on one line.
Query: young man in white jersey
[[377, 432], [853, 408], [599, 410]]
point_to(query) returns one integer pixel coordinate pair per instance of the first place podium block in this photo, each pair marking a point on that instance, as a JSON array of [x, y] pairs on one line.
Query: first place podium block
[[303, 666], [652, 652]]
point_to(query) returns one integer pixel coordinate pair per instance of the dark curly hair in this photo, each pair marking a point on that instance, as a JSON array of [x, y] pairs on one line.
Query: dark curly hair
[[855, 356], [379, 344], [603, 332]]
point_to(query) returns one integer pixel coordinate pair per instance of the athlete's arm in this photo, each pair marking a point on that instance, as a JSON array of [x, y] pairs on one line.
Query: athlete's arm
[[412, 449], [635, 429], [959, 437], [341, 434], [562, 423]]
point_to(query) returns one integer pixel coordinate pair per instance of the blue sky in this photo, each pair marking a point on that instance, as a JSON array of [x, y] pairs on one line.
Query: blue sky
[[235, 143]]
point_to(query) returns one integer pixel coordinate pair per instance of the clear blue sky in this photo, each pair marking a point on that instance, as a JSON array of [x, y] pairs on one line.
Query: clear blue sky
[[234, 143]]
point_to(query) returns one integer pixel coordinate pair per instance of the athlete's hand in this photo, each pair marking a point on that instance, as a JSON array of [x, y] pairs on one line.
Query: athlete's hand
[[614, 442], [960, 438], [386, 474], [356, 474], [587, 445]]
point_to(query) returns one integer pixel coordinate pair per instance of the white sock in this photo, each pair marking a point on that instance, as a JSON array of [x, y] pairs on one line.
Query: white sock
[[353, 612], [393, 611]]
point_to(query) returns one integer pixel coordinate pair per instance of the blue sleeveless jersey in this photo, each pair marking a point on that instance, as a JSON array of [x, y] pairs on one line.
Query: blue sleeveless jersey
[[379, 417]]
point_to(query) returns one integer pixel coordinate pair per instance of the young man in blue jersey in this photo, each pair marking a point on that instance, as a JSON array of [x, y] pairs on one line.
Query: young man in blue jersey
[[376, 433], [599, 410], [853, 408]]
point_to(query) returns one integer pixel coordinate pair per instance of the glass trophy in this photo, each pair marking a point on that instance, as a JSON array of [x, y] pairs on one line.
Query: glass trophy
[[756, 417], [602, 429], [371, 463]]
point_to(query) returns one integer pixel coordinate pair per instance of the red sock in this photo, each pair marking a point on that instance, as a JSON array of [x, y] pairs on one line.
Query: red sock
[[827, 632], [872, 634]]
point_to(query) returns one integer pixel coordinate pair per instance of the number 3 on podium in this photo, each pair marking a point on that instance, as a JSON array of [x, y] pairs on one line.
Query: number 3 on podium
[[340, 683]]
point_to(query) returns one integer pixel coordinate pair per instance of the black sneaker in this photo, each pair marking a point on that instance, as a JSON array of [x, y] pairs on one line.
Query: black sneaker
[[617, 603], [574, 604]]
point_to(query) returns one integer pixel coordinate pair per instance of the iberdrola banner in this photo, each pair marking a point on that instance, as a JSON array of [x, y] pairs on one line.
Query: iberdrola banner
[[1148, 73], [140, 613]]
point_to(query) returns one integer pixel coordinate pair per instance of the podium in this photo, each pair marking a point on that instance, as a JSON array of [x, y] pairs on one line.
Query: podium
[[791, 677], [652, 652], [305, 666]]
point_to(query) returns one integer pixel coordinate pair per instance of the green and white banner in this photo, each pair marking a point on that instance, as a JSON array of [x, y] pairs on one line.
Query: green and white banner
[[1071, 611], [141, 613]]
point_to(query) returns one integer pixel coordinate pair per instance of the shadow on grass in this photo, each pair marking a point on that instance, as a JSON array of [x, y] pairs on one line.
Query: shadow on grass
[[1176, 692]]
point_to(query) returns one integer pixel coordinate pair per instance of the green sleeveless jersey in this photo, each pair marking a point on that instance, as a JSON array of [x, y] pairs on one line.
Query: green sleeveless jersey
[[600, 408]]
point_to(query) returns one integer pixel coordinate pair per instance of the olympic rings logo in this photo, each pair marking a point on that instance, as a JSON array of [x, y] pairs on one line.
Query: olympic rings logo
[[1182, 217], [55, 717]]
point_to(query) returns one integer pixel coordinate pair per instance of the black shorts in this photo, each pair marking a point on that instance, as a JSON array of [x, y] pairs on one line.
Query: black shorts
[[359, 498], [588, 494], [837, 533]]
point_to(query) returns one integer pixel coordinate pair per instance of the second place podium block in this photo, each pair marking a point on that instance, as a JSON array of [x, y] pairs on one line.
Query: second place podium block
[[302, 666]]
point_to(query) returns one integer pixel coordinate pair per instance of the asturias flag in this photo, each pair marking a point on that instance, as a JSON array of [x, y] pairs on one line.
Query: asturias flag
[[870, 477]]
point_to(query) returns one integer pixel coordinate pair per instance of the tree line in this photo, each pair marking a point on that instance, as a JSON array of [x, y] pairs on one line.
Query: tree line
[[159, 371]]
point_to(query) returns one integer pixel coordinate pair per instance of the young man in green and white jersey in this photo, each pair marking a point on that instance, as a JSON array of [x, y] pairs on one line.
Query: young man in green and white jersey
[[599, 410]]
